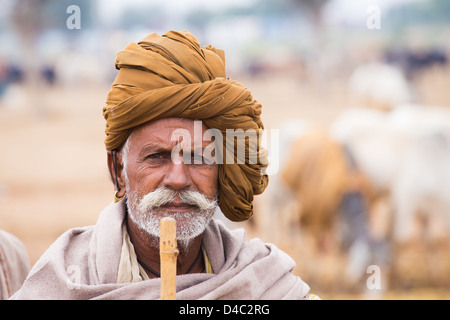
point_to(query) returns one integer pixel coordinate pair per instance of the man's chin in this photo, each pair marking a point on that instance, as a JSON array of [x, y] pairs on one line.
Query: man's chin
[[188, 224]]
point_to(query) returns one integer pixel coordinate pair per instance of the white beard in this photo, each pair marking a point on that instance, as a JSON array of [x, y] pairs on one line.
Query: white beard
[[146, 213]]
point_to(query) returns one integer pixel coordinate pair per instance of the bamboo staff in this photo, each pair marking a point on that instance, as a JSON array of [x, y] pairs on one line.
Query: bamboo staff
[[168, 253]]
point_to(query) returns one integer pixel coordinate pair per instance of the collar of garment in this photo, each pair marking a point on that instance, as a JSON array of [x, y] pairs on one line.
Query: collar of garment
[[129, 268]]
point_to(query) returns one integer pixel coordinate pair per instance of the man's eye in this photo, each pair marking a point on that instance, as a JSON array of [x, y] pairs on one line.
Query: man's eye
[[154, 156], [157, 156]]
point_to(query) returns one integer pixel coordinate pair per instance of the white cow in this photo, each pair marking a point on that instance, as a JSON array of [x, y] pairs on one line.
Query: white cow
[[406, 152]]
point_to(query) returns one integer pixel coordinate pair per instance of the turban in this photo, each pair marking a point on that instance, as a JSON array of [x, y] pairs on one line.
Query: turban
[[172, 76]]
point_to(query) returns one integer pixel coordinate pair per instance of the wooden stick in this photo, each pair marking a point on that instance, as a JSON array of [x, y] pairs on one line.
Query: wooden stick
[[168, 253]]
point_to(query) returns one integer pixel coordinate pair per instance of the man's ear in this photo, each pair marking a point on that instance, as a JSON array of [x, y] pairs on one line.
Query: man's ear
[[115, 166]]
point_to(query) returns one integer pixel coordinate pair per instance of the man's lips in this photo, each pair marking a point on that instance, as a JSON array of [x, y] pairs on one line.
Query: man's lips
[[178, 206]]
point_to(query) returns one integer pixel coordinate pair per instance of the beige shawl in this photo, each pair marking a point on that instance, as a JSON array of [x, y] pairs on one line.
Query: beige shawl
[[14, 265], [83, 264]]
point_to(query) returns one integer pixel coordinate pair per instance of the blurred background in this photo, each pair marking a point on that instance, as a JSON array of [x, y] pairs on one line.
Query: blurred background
[[357, 91]]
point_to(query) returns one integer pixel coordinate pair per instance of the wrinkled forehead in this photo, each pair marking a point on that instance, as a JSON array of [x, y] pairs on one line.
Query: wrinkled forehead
[[167, 133]]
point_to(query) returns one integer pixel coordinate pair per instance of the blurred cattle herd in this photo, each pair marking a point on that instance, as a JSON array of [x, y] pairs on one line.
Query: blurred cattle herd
[[371, 188]]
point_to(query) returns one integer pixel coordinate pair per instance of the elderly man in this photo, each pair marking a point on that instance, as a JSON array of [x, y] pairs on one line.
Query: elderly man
[[169, 85]]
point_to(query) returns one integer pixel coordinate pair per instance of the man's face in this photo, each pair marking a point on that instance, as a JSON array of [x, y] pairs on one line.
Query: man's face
[[159, 185]]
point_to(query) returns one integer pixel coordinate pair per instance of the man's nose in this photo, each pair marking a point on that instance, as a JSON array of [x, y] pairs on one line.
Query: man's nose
[[177, 176]]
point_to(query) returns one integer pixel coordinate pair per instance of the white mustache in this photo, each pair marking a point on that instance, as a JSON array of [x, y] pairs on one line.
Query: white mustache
[[162, 196]]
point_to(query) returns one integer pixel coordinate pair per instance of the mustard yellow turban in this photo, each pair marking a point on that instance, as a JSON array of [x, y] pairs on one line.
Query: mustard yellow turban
[[172, 76]]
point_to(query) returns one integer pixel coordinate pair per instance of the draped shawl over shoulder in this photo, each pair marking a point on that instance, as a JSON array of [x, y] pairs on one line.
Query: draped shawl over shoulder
[[172, 76], [83, 264]]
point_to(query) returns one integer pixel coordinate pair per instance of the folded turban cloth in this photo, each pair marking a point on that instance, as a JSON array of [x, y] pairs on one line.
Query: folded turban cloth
[[172, 76]]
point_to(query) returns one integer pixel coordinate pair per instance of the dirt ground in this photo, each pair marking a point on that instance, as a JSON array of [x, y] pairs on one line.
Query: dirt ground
[[53, 173]]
